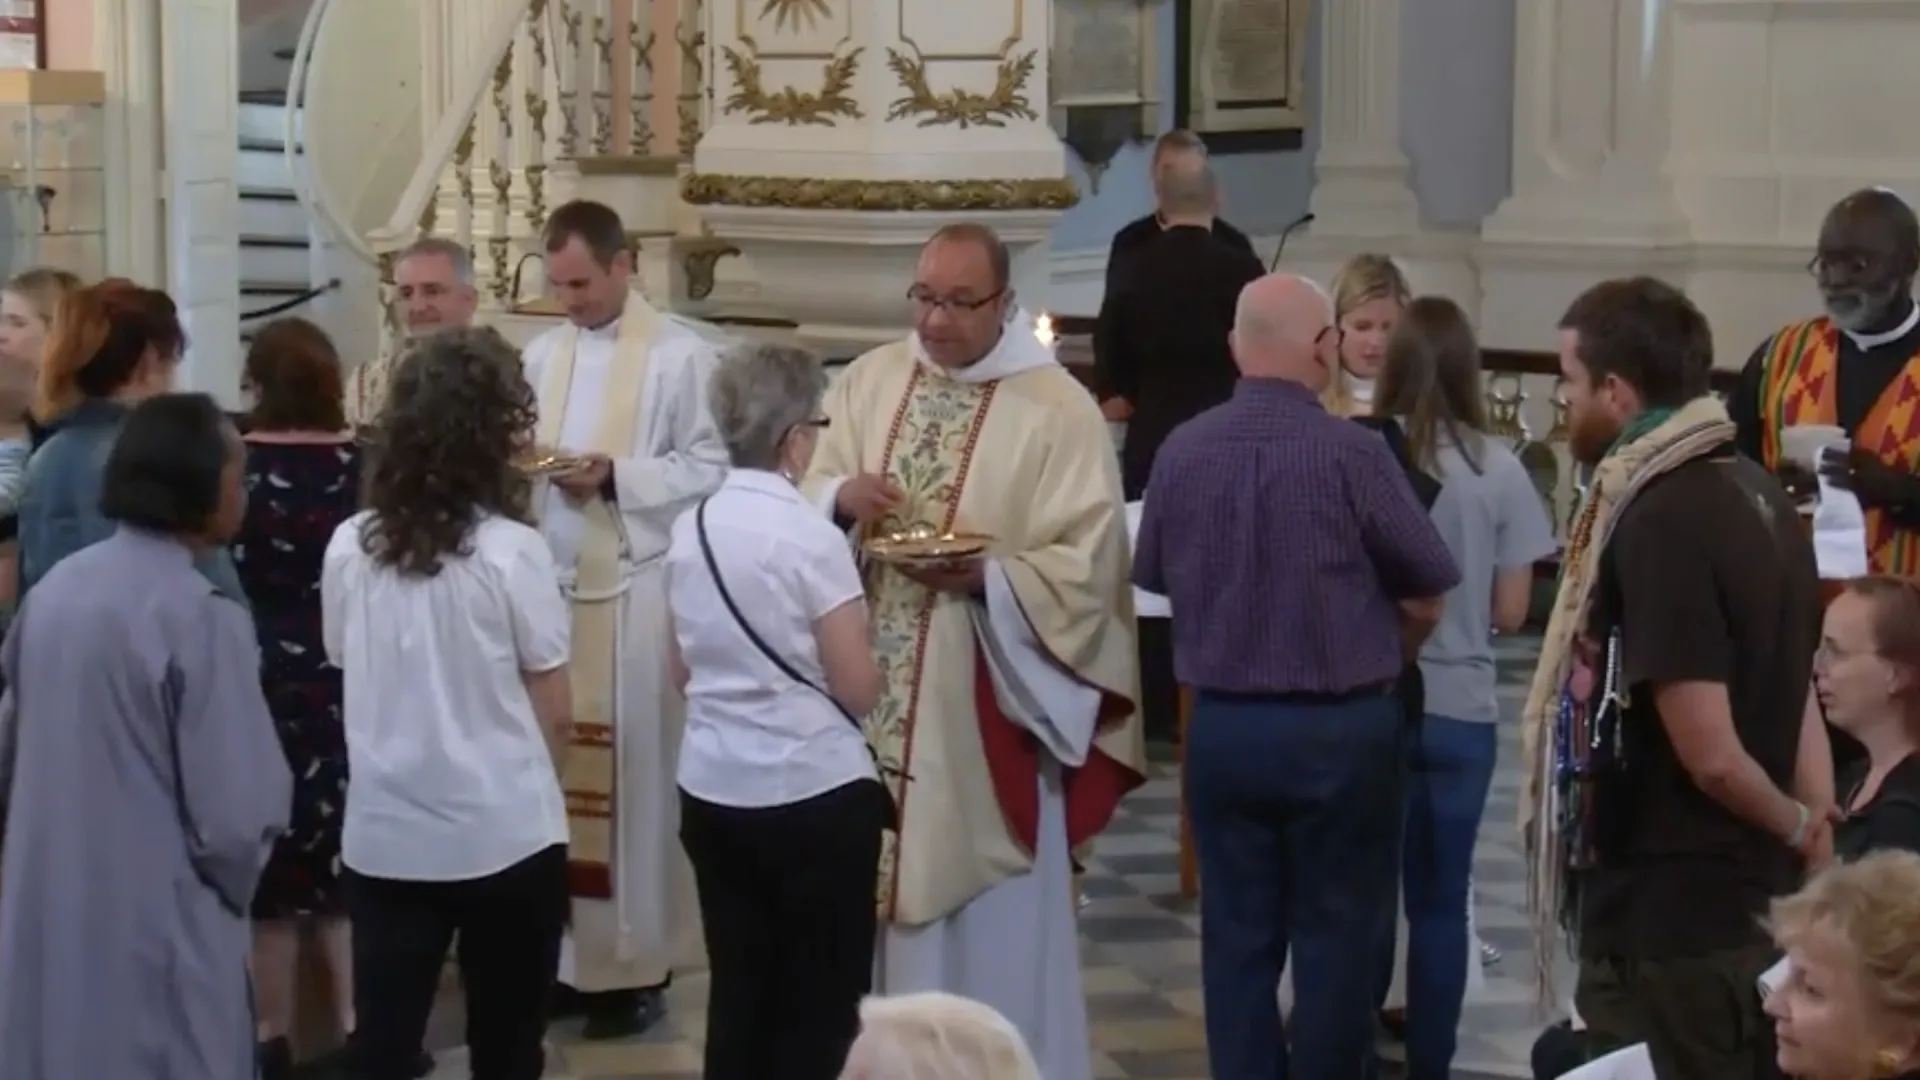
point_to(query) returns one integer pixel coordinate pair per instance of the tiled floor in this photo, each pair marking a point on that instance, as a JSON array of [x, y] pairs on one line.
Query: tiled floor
[[1140, 948]]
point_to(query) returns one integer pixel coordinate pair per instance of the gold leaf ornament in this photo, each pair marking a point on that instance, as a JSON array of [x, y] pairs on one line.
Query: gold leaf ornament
[[790, 106], [962, 108]]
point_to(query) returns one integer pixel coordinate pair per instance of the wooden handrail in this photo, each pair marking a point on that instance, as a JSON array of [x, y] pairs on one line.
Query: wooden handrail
[[1497, 361]]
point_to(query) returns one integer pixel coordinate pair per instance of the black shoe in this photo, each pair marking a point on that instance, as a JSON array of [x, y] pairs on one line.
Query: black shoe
[[275, 1058], [621, 1014], [566, 1002]]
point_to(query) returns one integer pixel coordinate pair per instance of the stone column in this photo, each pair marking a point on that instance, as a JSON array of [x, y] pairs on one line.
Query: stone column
[[1592, 197], [1362, 184], [844, 132], [1363, 198]]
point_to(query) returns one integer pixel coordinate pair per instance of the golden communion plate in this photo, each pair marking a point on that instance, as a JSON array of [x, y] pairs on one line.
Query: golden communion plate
[[927, 545], [547, 464]]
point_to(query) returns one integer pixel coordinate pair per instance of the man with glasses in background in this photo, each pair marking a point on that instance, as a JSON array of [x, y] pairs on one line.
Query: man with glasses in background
[[1006, 725]]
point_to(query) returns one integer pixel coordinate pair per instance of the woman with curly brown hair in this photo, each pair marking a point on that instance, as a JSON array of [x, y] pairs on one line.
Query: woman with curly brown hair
[[440, 605]]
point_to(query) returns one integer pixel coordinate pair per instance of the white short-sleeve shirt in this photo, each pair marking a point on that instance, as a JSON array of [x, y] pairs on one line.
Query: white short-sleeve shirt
[[755, 737], [449, 774]]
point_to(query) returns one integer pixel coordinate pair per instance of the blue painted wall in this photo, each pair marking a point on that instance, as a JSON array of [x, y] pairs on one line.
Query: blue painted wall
[[1261, 193]]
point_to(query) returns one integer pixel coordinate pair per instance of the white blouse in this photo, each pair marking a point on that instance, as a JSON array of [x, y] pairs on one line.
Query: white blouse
[[451, 779], [754, 737]]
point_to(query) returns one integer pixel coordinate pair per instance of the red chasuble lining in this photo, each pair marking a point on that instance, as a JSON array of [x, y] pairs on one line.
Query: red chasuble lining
[[1093, 791]]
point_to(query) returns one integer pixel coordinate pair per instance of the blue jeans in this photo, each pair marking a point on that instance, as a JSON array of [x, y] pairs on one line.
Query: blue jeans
[[1446, 795], [1296, 811]]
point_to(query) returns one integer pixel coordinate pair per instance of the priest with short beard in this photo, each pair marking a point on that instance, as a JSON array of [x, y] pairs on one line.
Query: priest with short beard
[[1856, 367]]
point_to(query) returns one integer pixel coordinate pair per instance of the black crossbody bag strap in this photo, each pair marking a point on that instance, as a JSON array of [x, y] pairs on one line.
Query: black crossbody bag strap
[[778, 661]]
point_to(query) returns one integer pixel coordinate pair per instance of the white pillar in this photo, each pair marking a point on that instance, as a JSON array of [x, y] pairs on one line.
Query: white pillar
[[838, 143], [1362, 182], [1592, 95]]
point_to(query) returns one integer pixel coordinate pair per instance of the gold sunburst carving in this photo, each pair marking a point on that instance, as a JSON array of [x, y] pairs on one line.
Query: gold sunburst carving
[[801, 14]]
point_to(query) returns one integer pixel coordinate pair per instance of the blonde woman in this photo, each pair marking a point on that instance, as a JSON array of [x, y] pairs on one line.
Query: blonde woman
[[1849, 1005], [27, 305], [1369, 294]]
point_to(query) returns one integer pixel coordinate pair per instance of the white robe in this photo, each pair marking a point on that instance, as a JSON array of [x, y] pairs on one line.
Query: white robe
[[652, 922], [1016, 947]]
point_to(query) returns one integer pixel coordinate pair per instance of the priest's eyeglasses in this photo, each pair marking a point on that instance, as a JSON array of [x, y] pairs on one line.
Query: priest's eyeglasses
[[1850, 264], [925, 298]]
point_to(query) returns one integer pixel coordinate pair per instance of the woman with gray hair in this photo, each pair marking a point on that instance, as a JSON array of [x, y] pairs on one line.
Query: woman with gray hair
[[937, 1036], [781, 808]]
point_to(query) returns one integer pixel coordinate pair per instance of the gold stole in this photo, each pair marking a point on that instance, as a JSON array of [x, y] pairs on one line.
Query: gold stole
[[590, 774]]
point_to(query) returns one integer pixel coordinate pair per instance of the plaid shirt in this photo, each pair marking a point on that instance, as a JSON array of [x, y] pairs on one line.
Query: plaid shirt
[[1283, 538]]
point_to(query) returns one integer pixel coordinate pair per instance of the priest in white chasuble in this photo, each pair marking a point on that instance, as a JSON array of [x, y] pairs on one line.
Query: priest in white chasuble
[[623, 389], [1007, 724]]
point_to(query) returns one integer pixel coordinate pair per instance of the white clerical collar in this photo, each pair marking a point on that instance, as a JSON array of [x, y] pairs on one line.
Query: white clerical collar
[[1019, 349], [1874, 341], [610, 329], [1361, 390]]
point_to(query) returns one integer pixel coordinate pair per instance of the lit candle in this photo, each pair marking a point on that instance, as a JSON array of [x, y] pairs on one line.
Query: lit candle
[[1043, 330]]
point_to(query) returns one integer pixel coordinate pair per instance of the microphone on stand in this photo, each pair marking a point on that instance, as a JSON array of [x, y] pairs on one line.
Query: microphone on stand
[[1299, 223]]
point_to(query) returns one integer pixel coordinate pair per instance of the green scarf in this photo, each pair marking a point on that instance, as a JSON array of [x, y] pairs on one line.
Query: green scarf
[[1646, 421]]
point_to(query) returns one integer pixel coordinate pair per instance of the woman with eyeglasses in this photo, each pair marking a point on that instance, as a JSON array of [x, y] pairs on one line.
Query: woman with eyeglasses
[[1867, 677], [780, 807]]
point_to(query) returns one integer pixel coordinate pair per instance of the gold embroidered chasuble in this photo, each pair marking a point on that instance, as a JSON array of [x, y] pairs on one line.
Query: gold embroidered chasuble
[[1027, 459], [589, 776]]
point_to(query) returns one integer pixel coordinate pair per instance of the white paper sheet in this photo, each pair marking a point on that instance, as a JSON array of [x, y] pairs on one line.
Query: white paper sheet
[[1146, 605], [1839, 534], [1632, 1063]]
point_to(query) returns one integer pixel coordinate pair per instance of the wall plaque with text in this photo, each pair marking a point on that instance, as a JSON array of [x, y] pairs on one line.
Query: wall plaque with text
[[1240, 72]]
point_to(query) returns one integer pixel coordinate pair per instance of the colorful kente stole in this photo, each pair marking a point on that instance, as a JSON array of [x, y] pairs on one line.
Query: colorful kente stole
[[1799, 382]]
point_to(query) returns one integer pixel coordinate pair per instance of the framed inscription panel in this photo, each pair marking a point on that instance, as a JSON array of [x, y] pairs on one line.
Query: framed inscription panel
[[1102, 70], [23, 33], [1240, 78]]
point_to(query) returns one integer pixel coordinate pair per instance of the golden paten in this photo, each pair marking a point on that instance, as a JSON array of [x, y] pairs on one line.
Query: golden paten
[[806, 193], [962, 108], [790, 106]]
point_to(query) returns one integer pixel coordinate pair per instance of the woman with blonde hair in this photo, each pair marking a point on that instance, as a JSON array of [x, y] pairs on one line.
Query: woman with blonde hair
[[27, 306], [1369, 293], [1849, 1005]]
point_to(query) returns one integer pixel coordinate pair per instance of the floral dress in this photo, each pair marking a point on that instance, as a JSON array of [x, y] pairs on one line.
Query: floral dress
[[298, 493]]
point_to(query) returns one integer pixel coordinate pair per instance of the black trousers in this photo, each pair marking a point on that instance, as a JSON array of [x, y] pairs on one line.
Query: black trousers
[[508, 928], [787, 899], [1159, 689]]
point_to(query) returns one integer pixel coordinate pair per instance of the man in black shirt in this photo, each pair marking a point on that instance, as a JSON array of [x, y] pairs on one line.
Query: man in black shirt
[[1700, 637], [1138, 233], [1161, 341]]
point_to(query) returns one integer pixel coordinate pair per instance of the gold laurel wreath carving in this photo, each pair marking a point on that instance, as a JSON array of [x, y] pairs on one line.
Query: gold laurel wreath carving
[[789, 106], [962, 108], [806, 193]]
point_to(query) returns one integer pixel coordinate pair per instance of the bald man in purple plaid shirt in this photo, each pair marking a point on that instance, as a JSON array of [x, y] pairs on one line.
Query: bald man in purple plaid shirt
[[1303, 574]]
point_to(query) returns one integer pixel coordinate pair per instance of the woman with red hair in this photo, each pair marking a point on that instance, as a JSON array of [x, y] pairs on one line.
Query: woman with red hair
[[113, 345]]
